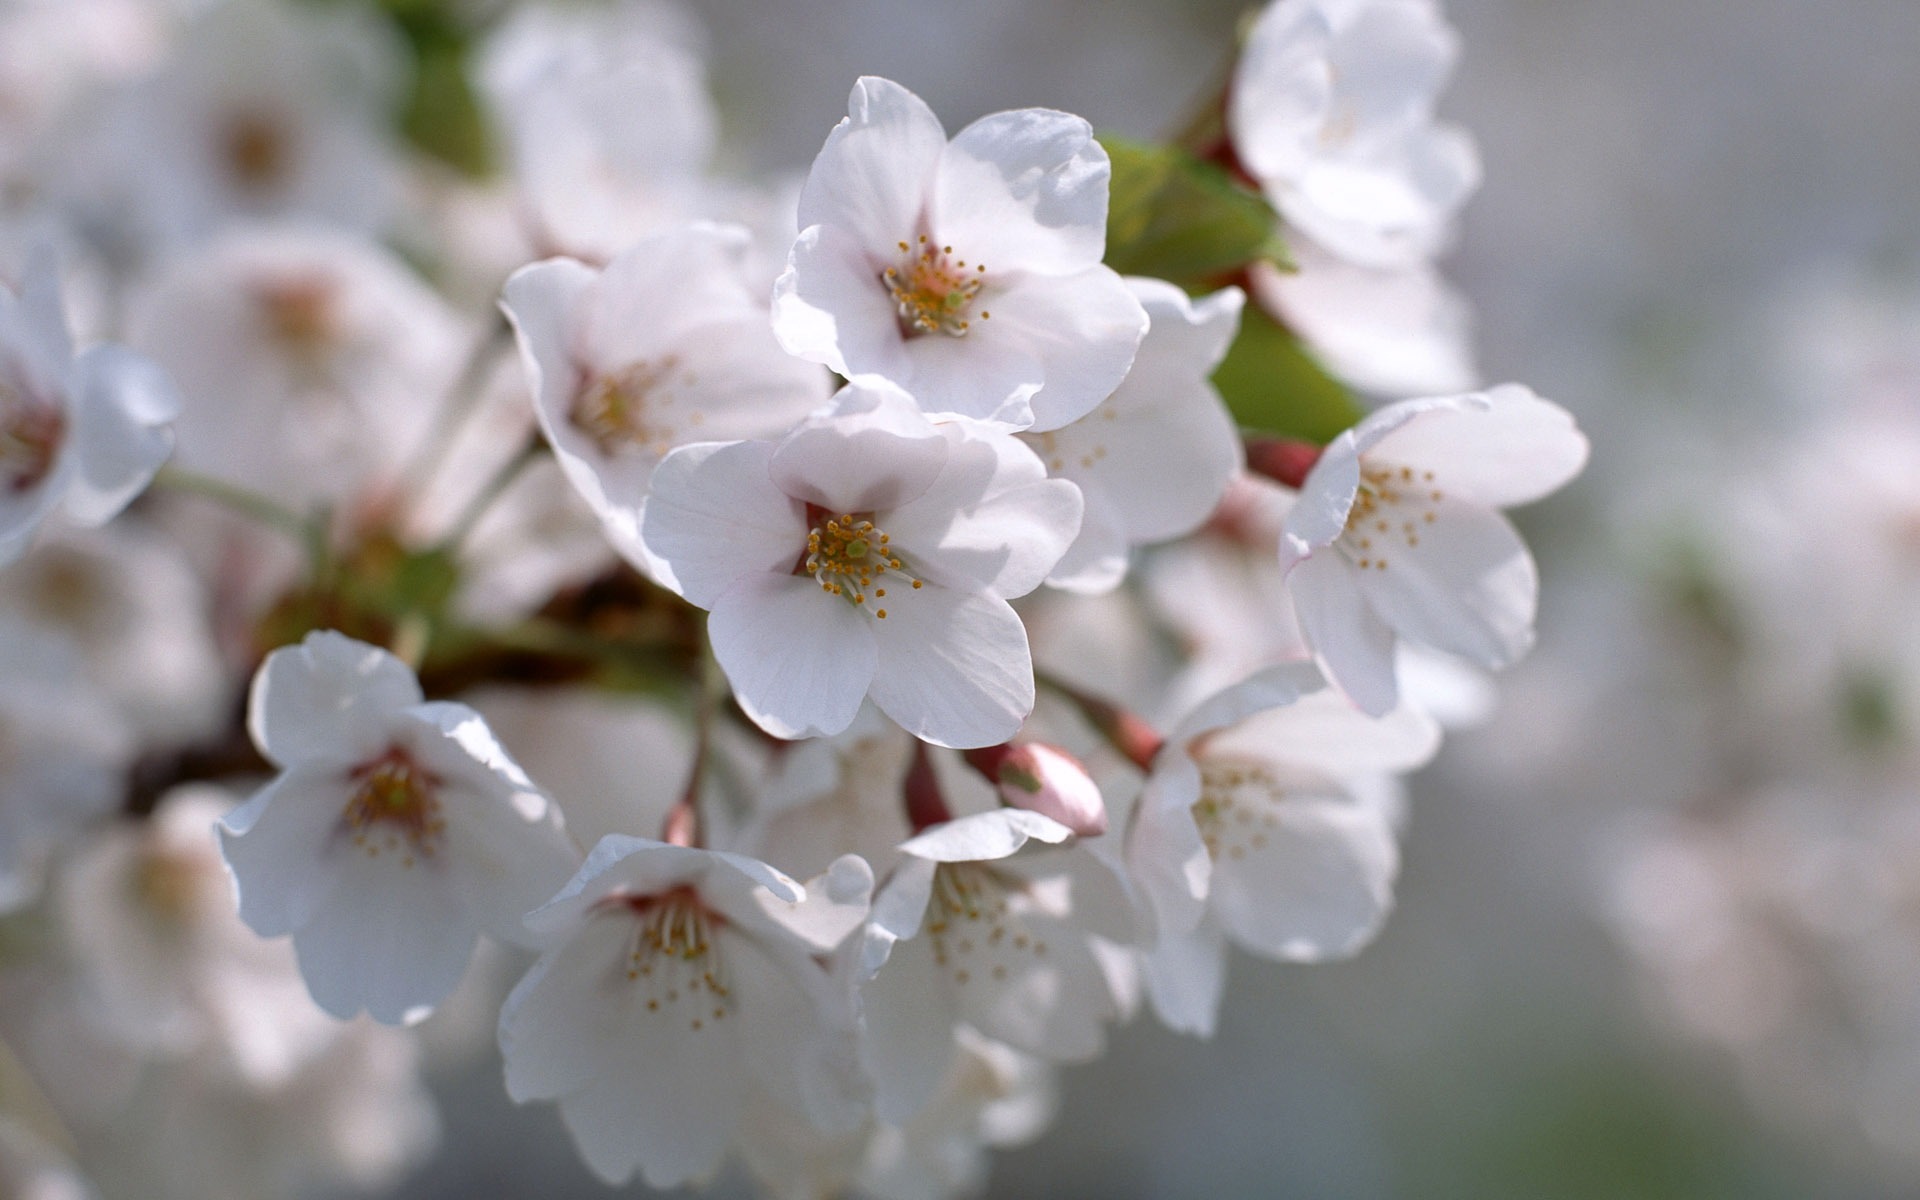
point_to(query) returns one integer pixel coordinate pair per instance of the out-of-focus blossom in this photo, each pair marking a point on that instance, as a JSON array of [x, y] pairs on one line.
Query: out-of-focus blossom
[[1390, 333]]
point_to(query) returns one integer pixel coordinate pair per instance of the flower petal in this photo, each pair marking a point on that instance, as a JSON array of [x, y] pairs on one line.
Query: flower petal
[[871, 450], [277, 845], [1351, 642], [800, 661], [1313, 879], [1469, 586], [714, 516], [992, 521], [1083, 329], [831, 306], [329, 699], [954, 668], [123, 406], [392, 937], [1506, 447], [1024, 190], [1185, 976], [873, 175]]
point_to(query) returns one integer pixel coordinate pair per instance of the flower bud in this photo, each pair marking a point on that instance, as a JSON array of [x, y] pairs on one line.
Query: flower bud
[[1044, 779]]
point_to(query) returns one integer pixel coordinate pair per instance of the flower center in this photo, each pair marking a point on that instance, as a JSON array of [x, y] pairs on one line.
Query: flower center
[[973, 930], [933, 291], [30, 438], [619, 411], [255, 151], [171, 886], [394, 801], [675, 958], [302, 315], [1238, 804], [1389, 509], [850, 557]]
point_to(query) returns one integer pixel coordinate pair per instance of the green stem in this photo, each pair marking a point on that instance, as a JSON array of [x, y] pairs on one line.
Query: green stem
[[241, 500]]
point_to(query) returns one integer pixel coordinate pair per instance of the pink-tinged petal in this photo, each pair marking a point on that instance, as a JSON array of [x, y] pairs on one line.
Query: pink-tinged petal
[[1037, 987], [1324, 732], [656, 293], [831, 306], [282, 846], [993, 521], [871, 450], [800, 660], [1502, 447], [1165, 852], [123, 406], [874, 173], [1084, 329], [329, 699], [1282, 91], [1352, 643], [983, 837], [1468, 587], [954, 668], [1311, 878], [1185, 975], [540, 300], [392, 937], [989, 375], [736, 382], [715, 516], [909, 1015], [1186, 338], [1024, 190]]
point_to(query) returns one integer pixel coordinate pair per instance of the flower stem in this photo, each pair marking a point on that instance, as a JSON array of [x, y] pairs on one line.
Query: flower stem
[[241, 500], [491, 491], [461, 401], [1126, 731]]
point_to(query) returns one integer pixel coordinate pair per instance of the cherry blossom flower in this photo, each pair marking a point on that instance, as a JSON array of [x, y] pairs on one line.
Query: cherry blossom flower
[[1266, 820], [1154, 458], [869, 553], [1398, 535], [1332, 112], [665, 346], [966, 272], [396, 832], [676, 978], [83, 433]]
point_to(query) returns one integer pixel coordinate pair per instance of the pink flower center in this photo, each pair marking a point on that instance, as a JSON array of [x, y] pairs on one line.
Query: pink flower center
[[620, 411], [933, 291], [395, 807]]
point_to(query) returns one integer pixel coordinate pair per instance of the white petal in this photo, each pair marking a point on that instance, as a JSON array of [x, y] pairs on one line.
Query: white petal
[[993, 521], [329, 698], [1468, 587], [954, 668], [392, 937], [1037, 987], [871, 450], [662, 288], [715, 516], [1096, 562], [121, 433], [831, 306], [983, 837], [909, 1016], [1512, 448], [1185, 975], [1084, 329], [281, 845], [1310, 879], [1352, 643], [877, 166], [1165, 852], [800, 661], [1282, 90], [1325, 732], [989, 375], [1024, 190], [570, 1010]]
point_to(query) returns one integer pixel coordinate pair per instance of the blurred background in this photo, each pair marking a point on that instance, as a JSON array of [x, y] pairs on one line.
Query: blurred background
[[1658, 928]]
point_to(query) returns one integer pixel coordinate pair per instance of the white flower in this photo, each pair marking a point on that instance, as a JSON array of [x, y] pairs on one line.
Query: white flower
[[673, 985], [1264, 821], [1392, 333], [313, 360], [1332, 112], [966, 272], [869, 553], [1155, 457], [606, 116], [84, 433], [396, 832], [665, 346], [1397, 534]]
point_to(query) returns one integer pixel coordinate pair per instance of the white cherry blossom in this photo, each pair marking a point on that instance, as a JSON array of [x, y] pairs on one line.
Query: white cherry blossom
[[675, 980], [664, 347], [83, 433], [966, 272], [1398, 534], [395, 834], [1154, 458], [1391, 333], [1332, 112], [1267, 821], [870, 553]]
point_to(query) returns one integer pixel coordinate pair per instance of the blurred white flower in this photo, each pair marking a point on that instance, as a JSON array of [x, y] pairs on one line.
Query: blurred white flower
[[966, 272]]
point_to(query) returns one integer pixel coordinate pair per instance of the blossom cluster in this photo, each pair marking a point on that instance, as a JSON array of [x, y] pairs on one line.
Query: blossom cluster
[[887, 628]]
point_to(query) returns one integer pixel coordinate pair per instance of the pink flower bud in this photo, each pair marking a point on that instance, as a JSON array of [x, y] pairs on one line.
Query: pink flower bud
[[1047, 780]]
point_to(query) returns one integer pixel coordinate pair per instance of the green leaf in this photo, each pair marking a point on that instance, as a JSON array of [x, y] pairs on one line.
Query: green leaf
[[1178, 218], [1272, 386]]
